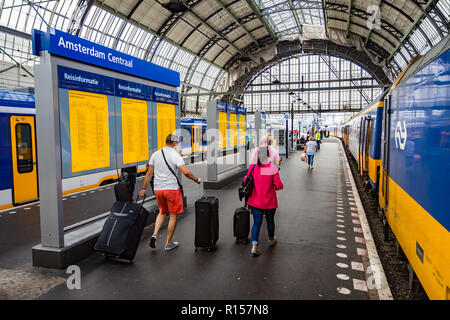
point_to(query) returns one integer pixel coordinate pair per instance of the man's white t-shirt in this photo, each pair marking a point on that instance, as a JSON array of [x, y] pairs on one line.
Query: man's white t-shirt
[[164, 179]]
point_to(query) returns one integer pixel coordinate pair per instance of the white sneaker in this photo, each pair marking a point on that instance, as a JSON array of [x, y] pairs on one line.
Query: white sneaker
[[171, 246]]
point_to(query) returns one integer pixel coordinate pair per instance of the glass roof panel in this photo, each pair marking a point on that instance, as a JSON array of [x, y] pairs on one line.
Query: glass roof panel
[[282, 14], [444, 6]]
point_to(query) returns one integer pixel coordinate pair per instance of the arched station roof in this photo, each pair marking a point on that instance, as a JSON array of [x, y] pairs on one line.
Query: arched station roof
[[208, 41]]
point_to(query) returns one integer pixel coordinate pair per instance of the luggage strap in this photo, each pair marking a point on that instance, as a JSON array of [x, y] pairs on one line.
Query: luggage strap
[[176, 177]]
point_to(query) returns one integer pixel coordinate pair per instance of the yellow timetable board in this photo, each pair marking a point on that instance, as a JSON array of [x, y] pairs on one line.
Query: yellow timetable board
[[241, 129], [222, 130], [233, 129], [89, 130], [134, 130], [165, 113]]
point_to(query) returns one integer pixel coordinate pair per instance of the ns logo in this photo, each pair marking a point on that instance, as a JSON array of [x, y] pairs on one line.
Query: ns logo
[[400, 135]]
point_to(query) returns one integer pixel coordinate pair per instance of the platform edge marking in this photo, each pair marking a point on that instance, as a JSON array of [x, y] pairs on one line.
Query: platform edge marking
[[384, 292]]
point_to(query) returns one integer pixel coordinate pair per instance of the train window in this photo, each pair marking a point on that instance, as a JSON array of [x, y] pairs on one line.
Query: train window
[[24, 148]]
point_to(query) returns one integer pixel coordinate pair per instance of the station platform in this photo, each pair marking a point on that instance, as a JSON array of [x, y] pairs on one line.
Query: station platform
[[324, 248]]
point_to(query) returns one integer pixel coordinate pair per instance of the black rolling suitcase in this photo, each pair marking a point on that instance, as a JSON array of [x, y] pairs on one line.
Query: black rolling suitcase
[[206, 223], [122, 190], [241, 224], [122, 230]]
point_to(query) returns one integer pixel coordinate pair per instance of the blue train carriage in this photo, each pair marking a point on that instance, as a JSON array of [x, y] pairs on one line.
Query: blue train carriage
[[364, 139], [18, 167], [416, 168], [194, 136]]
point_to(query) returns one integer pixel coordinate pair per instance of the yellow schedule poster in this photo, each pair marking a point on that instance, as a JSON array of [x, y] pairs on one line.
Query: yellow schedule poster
[[89, 130], [223, 130], [134, 130], [165, 113], [241, 129], [233, 129]]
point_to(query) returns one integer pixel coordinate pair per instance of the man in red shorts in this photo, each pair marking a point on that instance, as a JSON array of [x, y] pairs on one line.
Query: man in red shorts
[[167, 189]]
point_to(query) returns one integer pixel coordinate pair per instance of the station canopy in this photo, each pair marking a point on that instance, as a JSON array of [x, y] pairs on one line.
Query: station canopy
[[222, 45]]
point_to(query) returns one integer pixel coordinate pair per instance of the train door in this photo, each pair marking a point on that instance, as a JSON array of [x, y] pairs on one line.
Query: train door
[[23, 147], [361, 145], [385, 146], [365, 160], [195, 139]]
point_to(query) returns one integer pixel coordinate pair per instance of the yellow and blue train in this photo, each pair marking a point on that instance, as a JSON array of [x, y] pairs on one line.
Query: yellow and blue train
[[18, 154], [401, 143], [193, 131], [18, 167]]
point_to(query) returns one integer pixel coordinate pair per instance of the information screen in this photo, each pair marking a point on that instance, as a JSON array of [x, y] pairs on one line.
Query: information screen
[[241, 129], [89, 130], [166, 122], [134, 130], [233, 129], [222, 130]]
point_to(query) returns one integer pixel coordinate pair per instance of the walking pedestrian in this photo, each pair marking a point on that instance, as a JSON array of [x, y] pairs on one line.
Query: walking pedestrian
[[164, 165], [310, 150], [263, 200]]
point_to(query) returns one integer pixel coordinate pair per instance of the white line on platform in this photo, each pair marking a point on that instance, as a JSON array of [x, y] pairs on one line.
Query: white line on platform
[[381, 284]]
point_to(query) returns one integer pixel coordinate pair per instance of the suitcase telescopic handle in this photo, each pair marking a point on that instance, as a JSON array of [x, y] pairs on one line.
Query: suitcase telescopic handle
[[201, 189], [143, 200]]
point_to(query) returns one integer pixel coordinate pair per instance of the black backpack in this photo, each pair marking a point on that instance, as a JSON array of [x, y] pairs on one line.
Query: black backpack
[[246, 188]]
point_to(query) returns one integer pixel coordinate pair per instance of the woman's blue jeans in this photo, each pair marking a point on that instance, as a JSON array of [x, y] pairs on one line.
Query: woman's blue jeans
[[257, 222], [310, 159]]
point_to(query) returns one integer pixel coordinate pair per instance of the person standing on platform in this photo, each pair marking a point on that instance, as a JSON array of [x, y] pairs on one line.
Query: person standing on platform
[[164, 165], [274, 156], [132, 174], [310, 150], [263, 200], [318, 138]]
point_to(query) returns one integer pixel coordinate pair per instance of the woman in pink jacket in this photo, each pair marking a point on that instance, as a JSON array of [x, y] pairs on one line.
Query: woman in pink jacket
[[263, 200]]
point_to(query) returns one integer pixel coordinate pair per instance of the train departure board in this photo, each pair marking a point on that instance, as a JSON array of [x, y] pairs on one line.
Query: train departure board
[[166, 123], [134, 130], [233, 129], [89, 130], [241, 129], [222, 130]]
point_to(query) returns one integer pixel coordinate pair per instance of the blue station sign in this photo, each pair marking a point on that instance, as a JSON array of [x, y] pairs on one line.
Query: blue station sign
[[69, 46], [221, 106], [73, 79], [231, 108], [241, 110]]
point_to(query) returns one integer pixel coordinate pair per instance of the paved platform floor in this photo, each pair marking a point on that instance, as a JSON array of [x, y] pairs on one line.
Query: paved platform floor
[[320, 253]]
